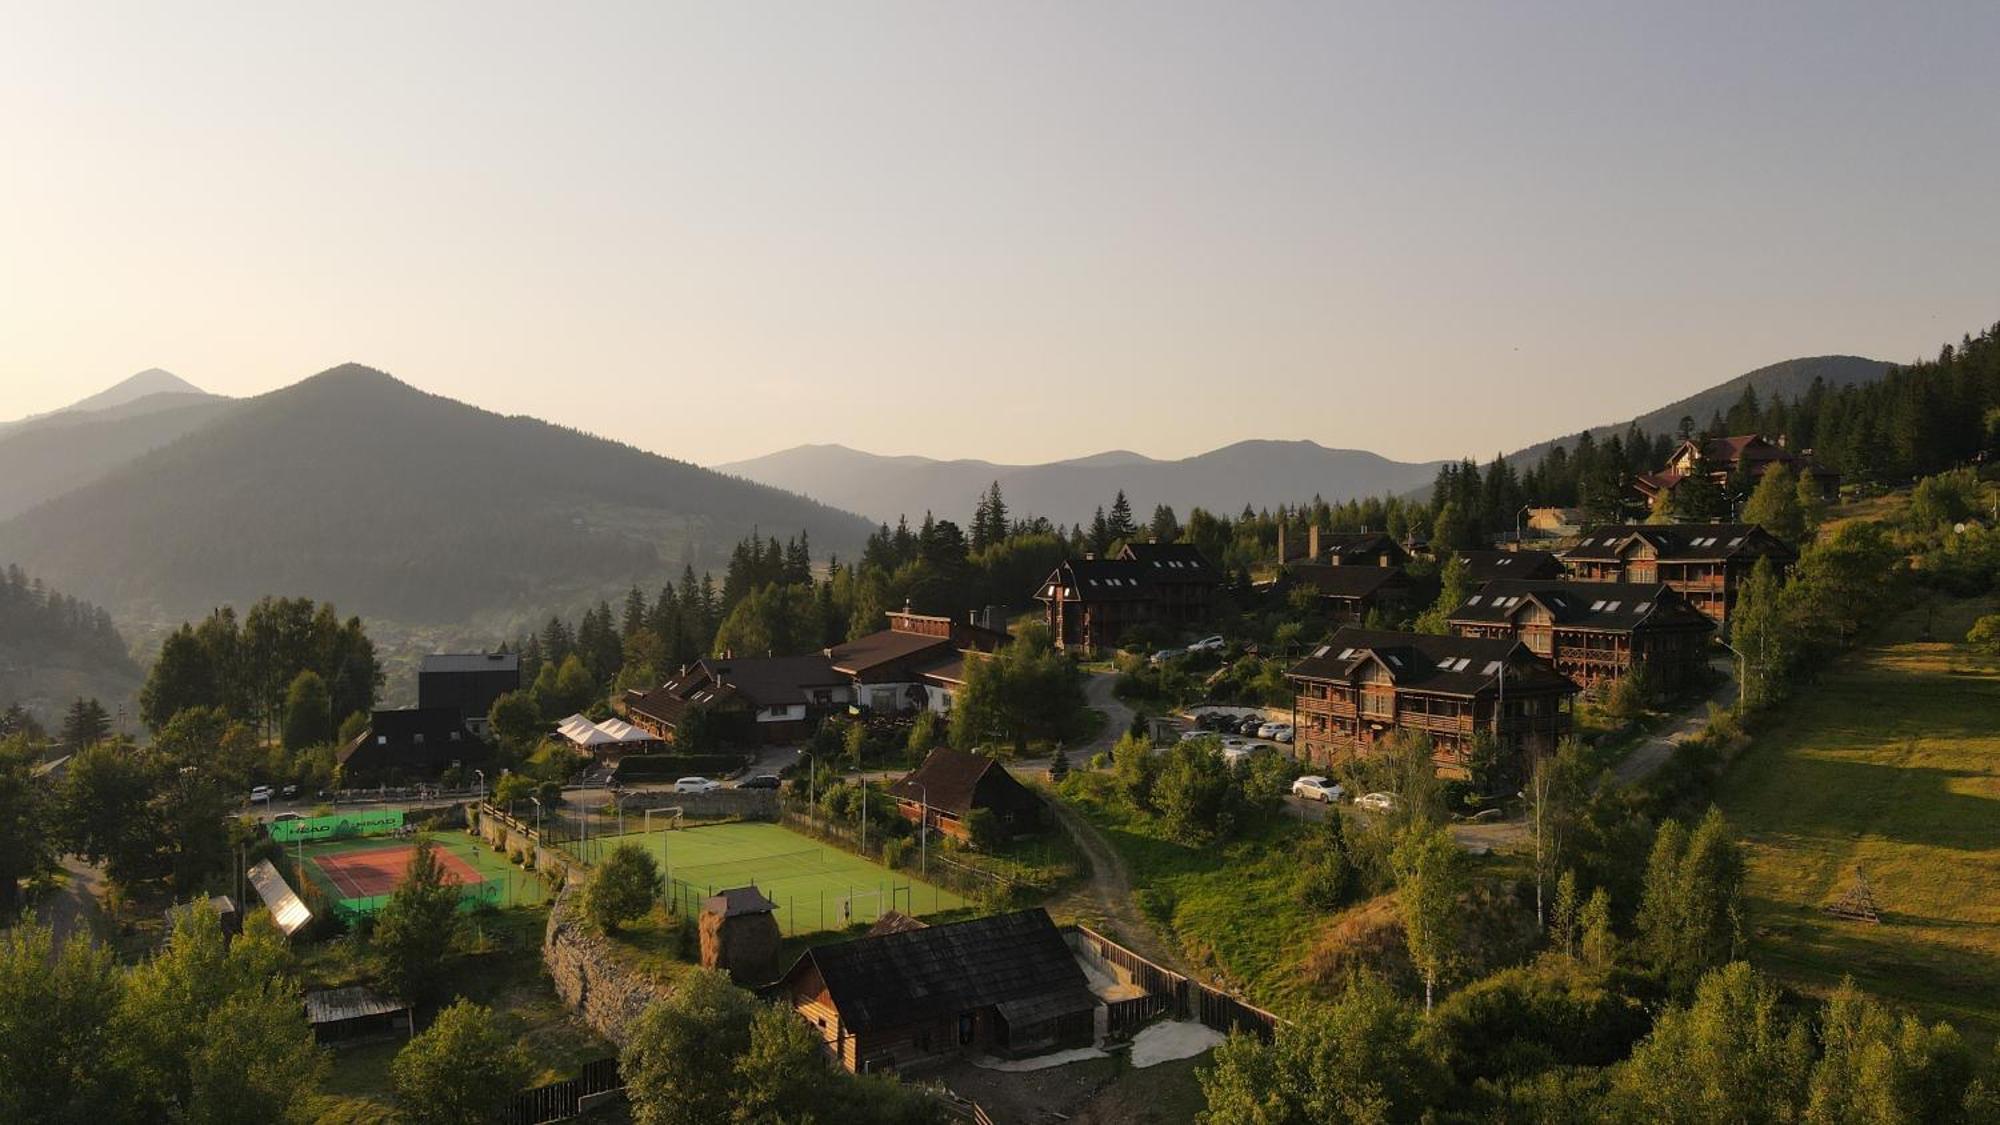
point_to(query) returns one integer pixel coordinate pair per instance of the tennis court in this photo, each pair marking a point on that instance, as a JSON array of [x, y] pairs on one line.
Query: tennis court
[[359, 874], [816, 886]]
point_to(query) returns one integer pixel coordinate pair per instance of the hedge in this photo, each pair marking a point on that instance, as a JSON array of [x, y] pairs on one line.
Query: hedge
[[654, 767]]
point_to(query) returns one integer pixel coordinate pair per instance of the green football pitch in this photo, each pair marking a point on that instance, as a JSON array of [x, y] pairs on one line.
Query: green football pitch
[[816, 886]]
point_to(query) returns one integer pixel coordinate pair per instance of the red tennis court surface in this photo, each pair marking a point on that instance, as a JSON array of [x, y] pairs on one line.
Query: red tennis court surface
[[376, 871]]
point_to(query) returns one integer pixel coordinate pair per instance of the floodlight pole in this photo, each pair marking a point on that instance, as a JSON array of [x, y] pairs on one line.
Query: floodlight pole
[[538, 818], [924, 830], [482, 783]]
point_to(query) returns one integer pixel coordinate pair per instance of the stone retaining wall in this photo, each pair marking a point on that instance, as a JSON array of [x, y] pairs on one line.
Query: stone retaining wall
[[587, 974], [716, 804]]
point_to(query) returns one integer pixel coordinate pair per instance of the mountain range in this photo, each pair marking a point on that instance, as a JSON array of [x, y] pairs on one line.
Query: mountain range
[[1221, 480], [402, 506], [1259, 473]]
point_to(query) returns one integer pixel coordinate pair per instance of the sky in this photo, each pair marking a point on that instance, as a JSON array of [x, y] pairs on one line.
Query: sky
[[1018, 231]]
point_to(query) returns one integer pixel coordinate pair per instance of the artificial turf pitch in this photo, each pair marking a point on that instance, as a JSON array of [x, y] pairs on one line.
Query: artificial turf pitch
[[816, 886]]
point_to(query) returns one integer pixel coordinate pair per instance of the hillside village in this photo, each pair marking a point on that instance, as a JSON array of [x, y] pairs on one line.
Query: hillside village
[[1118, 823]]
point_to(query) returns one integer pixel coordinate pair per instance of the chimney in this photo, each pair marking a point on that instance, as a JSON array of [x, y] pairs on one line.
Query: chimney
[[1312, 543], [1382, 559], [1281, 542]]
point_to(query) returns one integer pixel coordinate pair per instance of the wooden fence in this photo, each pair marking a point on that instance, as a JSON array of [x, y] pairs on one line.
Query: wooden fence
[[559, 1101], [1170, 993]]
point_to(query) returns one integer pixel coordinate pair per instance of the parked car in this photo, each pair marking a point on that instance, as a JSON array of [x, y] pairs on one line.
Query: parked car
[[1248, 728], [288, 792], [1191, 735], [1285, 733], [1219, 721], [1314, 787], [696, 785], [1270, 729], [1166, 654], [261, 793], [1229, 744], [1380, 802], [1208, 644], [1235, 755], [285, 816], [761, 781]]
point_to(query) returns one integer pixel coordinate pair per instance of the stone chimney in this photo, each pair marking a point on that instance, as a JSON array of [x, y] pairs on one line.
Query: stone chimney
[[1312, 543]]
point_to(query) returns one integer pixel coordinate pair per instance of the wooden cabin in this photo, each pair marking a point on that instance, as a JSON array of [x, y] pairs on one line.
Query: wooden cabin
[[1366, 685], [952, 783], [1706, 563], [1744, 456], [764, 699], [1002, 985], [1480, 567], [1349, 593], [1594, 632]]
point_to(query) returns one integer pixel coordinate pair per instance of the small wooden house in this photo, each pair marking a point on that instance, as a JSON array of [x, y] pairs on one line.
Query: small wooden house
[[952, 783], [1003, 985]]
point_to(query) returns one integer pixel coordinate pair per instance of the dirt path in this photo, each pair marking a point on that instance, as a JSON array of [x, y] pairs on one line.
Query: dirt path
[[1105, 902], [74, 910], [1098, 692], [1653, 753]]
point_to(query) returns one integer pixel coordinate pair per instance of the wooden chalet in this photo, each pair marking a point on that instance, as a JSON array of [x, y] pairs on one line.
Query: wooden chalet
[[412, 744], [1366, 685], [1743, 455], [916, 664], [768, 699], [1346, 548], [1004, 985], [1090, 602], [1350, 593], [1490, 566], [952, 783], [1594, 632], [1706, 563]]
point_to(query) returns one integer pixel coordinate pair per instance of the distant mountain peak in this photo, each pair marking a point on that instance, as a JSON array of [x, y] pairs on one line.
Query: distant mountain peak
[[151, 381]]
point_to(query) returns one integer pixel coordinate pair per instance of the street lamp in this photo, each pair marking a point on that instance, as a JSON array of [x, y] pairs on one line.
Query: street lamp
[[482, 783], [1742, 670], [1525, 508], [538, 818]]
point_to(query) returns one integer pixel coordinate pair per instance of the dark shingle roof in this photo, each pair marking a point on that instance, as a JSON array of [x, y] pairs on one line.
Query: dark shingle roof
[[948, 779], [1485, 566], [1678, 542], [1346, 581], [1017, 962], [1463, 666], [1172, 562], [1610, 606], [771, 681], [452, 662], [1101, 580], [876, 649]]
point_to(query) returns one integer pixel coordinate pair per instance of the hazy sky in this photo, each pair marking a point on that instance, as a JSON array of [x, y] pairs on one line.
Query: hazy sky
[[1018, 231]]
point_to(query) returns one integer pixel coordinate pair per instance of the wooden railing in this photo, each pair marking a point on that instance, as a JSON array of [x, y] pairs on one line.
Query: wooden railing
[[559, 1101]]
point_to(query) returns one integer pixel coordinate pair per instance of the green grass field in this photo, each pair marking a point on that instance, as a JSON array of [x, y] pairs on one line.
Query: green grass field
[[502, 884], [1890, 764], [816, 886]]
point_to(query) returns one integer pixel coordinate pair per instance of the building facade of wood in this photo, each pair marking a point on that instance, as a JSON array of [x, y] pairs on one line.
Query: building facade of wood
[[1365, 686], [469, 681], [1746, 457], [951, 784], [1005, 985], [1706, 563], [758, 699], [1090, 603], [1348, 594], [1595, 632], [916, 664]]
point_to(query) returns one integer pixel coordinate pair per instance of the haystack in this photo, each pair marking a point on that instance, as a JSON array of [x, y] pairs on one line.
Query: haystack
[[739, 935]]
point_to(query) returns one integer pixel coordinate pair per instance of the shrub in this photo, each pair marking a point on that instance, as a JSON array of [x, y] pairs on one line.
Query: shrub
[[895, 852], [984, 829], [1100, 761], [654, 767], [622, 888], [461, 1069]]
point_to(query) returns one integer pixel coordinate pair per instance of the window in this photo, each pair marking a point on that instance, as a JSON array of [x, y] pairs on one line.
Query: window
[[1597, 606], [1346, 653], [1612, 607], [417, 739], [1492, 668], [1642, 607], [1461, 663], [1445, 664], [1474, 600], [381, 740]]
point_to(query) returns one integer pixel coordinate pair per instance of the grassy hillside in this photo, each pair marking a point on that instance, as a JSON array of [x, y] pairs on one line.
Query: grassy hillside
[[397, 505], [1892, 764]]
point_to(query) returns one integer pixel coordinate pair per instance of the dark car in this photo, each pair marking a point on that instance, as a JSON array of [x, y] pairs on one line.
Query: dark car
[[761, 781], [1248, 727]]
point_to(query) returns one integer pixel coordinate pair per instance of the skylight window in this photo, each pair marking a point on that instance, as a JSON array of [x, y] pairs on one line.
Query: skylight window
[[1736, 542], [1474, 600], [1612, 607], [1445, 664], [1321, 650], [1492, 666], [1597, 605], [1642, 607], [1395, 660], [1461, 663], [1346, 653]]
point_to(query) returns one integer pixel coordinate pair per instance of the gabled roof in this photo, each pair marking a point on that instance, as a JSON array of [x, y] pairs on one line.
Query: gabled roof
[[1678, 542], [949, 779], [1461, 666], [453, 662], [1358, 545], [738, 901], [1608, 606], [1017, 963], [1347, 581], [1485, 566], [670, 702], [858, 656], [1099, 580], [1172, 562], [774, 681]]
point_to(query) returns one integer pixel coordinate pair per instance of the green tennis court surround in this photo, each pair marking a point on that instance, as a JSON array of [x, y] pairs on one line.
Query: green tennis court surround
[[362, 822]]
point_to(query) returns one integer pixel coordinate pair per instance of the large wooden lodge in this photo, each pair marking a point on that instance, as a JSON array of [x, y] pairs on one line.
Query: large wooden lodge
[[1365, 685], [1090, 603], [1594, 632], [1706, 563]]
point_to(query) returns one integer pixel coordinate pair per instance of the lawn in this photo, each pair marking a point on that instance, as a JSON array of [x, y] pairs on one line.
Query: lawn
[[1891, 764], [817, 886], [506, 976]]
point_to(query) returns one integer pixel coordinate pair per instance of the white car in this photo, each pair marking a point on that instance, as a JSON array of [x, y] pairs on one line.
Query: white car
[[1191, 735], [1271, 729], [1229, 744], [696, 785], [1236, 755], [1166, 654], [1285, 734], [1208, 644], [1313, 787], [1380, 802], [261, 794]]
